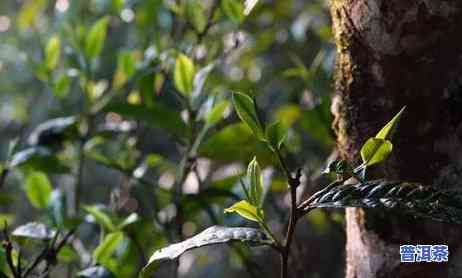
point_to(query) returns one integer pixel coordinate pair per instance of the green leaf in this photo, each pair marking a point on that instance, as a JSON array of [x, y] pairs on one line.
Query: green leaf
[[132, 218], [256, 183], [275, 134], [52, 52], [101, 217], [215, 115], [375, 151], [246, 110], [38, 158], [67, 255], [96, 272], [34, 230], [210, 236], [387, 131], [96, 37], [195, 13], [246, 210], [38, 189], [105, 249], [197, 95], [53, 132], [61, 86], [158, 116], [233, 9], [126, 68], [183, 75], [29, 13], [414, 199], [235, 143]]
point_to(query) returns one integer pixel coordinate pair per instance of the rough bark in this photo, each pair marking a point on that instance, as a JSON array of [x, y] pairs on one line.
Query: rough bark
[[393, 53]]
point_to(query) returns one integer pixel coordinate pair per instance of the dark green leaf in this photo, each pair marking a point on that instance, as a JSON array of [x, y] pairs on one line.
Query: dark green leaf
[[235, 143], [67, 254], [96, 272], [23, 156], [212, 235], [246, 110], [233, 9], [159, 116], [275, 134], [53, 132], [195, 13], [403, 197], [38, 158], [34, 230]]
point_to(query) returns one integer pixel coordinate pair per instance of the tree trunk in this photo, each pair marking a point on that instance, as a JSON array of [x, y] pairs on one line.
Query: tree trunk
[[393, 53]]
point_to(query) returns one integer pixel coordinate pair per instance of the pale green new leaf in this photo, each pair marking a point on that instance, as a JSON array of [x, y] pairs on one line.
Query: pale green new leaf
[[375, 151], [96, 37], [247, 210], [106, 248], [52, 52], [132, 218], [38, 189], [256, 187], [245, 108], [100, 217], [216, 114], [387, 131], [183, 75]]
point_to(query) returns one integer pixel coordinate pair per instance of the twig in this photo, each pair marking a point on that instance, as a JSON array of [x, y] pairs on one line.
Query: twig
[[3, 176], [8, 246], [201, 35], [79, 181], [293, 182], [139, 248], [48, 254]]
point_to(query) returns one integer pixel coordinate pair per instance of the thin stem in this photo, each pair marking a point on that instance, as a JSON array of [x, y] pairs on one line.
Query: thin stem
[[293, 183], [265, 227], [284, 257], [201, 35], [8, 246], [3, 176], [292, 219], [139, 248], [79, 181], [48, 254], [186, 165], [283, 164]]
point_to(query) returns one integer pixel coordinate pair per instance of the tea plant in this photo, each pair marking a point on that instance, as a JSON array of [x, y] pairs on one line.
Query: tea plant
[[351, 189]]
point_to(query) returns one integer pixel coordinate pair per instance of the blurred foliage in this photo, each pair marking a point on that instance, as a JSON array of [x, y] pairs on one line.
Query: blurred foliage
[[124, 133]]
